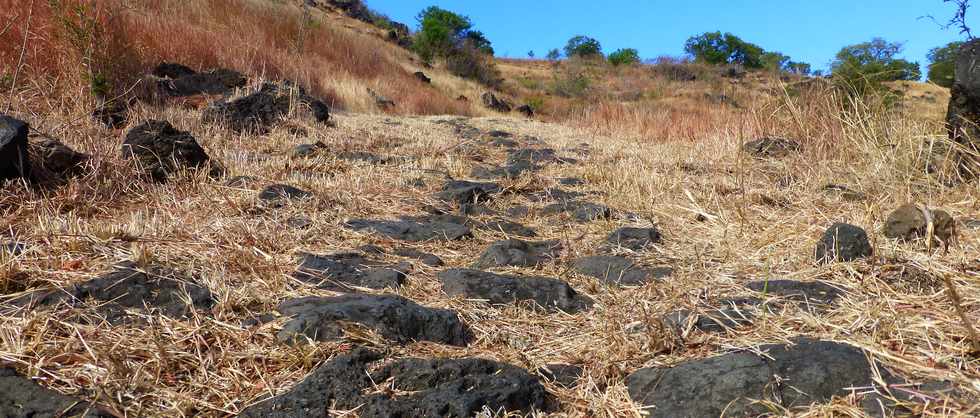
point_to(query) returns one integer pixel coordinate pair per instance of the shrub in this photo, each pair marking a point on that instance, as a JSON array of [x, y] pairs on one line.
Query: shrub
[[583, 47], [441, 32], [717, 48], [570, 84], [627, 56], [943, 64], [469, 62], [553, 55], [862, 68]]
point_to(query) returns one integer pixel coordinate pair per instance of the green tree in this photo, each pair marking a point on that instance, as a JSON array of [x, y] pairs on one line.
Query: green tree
[[530, 54], [724, 48], [553, 55], [583, 47], [626, 56], [800, 68], [862, 68], [775, 61], [442, 32], [943, 63]]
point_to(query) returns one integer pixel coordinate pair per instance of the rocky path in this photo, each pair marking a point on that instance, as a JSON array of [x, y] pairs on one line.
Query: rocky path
[[444, 267]]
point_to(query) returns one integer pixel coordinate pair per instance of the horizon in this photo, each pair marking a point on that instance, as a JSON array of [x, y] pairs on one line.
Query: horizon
[[515, 28]]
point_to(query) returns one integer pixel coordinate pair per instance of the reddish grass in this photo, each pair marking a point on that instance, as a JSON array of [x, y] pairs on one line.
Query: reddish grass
[[255, 38]]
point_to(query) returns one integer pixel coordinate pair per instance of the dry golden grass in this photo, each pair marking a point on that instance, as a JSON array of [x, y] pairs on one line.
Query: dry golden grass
[[665, 159]]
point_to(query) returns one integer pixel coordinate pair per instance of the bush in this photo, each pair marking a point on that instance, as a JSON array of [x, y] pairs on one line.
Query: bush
[[583, 47], [553, 55], [442, 32], [717, 48], [626, 56], [570, 84], [943, 64], [862, 68], [471, 63]]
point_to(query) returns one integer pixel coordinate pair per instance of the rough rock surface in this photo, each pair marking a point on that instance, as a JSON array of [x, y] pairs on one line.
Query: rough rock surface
[[456, 388], [843, 242], [772, 147], [463, 192], [564, 375], [492, 102], [22, 397], [413, 230], [14, 159], [635, 239], [343, 272], [280, 193], [579, 211], [618, 270], [550, 294], [818, 293], [394, 317], [791, 376], [220, 81], [256, 112], [54, 157], [963, 115], [161, 150], [731, 313], [518, 253]]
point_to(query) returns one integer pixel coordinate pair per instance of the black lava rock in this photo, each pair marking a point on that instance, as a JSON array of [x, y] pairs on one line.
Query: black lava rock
[[346, 271], [550, 294], [518, 253], [842, 243], [394, 317], [453, 388], [635, 239], [618, 270], [23, 397], [279, 193], [161, 150], [257, 112], [413, 230], [14, 159], [818, 293]]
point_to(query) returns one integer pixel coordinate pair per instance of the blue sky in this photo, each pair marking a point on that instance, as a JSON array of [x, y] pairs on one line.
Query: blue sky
[[809, 31]]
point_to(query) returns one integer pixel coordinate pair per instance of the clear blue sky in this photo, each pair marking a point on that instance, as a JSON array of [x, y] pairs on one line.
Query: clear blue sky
[[806, 30]]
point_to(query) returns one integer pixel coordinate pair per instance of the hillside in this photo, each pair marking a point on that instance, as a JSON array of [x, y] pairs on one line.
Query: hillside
[[226, 246]]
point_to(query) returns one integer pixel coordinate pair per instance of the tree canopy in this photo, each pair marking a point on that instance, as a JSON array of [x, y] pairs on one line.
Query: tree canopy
[[442, 32], [583, 46], [943, 63], [625, 56]]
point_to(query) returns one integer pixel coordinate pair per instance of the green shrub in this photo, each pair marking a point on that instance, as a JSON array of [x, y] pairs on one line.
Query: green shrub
[[943, 64], [627, 56], [570, 84], [862, 68], [469, 62], [553, 55], [718, 48]]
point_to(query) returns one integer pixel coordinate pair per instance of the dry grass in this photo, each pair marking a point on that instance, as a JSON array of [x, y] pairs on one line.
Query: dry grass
[[667, 160]]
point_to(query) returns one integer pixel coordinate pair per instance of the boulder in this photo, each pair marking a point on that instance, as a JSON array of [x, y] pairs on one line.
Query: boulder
[[422, 77], [23, 397], [816, 293], [219, 81], [526, 110], [842, 243], [420, 388], [52, 156], [908, 222], [344, 272], [413, 230], [397, 319], [279, 194], [492, 102], [430, 260], [789, 375], [963, 114], [254, 113], [772, 147], [160, 150], [549, 294], [636, 239], [518, 253], [14, 158], [618, 270]]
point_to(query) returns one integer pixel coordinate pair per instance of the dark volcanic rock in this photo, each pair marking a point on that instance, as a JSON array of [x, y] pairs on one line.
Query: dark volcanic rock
[[430, 260], [533, 156], [345, 271], [842, 243], [309, 150], [515, 252], [161, 150], [771, 147], [618, 270], [14, 159], [467, 192], [452, 388], [550, 294], [220, 81], [843, 191], [791, 376], [412, 230], [492, 102], [422, 77], [279, 193], [908, 223], [579, 211], [151, 290], [805, 292], [22, 397], [635, 239], [55, 157], [571, 181], [257, 112], [394, 317], [172, 70], [526, 110], [112, 114], [732, 313], [554, 194], [506, 227], [963, 115], [564, 375]]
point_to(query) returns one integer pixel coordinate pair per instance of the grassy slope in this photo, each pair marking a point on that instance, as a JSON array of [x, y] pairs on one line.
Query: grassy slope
[[667, 157]]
